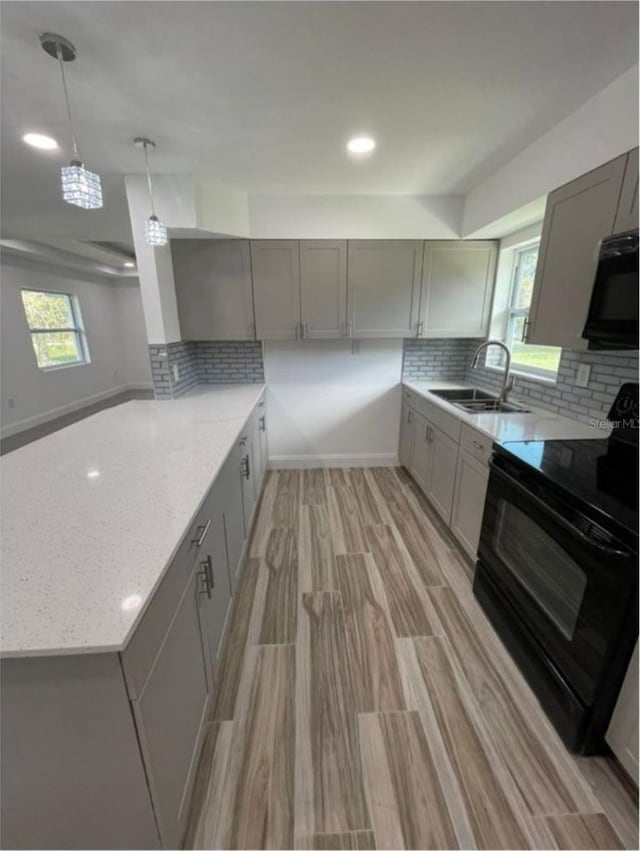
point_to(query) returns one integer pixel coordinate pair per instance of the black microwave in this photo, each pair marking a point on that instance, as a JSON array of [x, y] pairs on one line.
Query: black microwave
[[612, 322]]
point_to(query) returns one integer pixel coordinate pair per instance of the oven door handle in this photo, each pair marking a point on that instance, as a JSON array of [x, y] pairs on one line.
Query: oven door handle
[[559, 519]]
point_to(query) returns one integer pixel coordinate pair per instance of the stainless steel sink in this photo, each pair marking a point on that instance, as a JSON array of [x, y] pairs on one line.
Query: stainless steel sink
[[463, 394], [475, 401], [484, 406]]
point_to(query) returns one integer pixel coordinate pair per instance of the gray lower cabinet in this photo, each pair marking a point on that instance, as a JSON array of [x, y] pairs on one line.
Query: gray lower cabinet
[[420, 464], [262, 452], [442, 477], [171, 711], [622, 735], [230, 496], [449, 460], [101, 750], [468, 502], [407, 435]]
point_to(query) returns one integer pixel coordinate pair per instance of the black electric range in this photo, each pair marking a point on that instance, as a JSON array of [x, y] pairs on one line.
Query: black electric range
[[606, 490], [557, 569]]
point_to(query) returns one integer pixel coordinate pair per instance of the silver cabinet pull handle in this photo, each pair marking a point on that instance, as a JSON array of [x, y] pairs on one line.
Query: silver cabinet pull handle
[[525, 330], [209, 569], [206, 574], [410, 417], [477, 444], [246, 469], [419, 329], [201, 534], [263, 424]]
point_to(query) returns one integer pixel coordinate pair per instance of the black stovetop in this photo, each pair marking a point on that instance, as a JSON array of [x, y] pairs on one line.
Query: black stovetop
[[594, 472]]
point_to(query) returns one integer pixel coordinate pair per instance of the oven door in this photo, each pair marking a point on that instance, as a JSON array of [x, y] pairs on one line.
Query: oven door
[[612, 321], [572, 591]]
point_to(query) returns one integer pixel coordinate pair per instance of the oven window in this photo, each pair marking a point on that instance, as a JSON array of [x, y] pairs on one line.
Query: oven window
[[541, 566]]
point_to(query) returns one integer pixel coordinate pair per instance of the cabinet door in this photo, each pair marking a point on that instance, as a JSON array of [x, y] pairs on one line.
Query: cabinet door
[[457, 285], [214, 561], [213, 288], [230, 491], [442, 479], [421, 452], [407, 436], [247, 477], [627, 215], [468, 502], [384, 288], [171, 714], [261, 445], [323, 288], [276, 288], [576, 218], [622, 735]]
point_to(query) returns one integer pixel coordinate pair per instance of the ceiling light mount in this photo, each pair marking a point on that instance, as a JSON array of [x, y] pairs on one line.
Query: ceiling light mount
[[155, 231], [80, 186], [58, 46]]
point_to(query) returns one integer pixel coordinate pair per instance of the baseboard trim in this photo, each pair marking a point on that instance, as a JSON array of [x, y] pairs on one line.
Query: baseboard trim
[[55, 413], [283, 462]]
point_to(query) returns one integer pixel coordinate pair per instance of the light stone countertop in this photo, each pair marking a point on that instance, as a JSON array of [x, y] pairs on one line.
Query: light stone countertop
[[93, 514], [502, 428]]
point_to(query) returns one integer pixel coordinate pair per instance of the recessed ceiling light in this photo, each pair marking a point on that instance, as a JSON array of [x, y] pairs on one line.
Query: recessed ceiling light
[[129, 264], [40, 141], [361, 145]]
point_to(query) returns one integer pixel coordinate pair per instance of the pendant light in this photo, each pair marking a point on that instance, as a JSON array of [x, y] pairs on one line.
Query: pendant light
[[155, 231], [79, 185]]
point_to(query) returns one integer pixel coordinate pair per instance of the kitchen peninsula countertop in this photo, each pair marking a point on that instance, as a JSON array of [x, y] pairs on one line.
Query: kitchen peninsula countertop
[[93, 514]]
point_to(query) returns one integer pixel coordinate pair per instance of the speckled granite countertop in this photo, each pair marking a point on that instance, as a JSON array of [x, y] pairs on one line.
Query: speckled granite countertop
[[536, 425], [93, 514]]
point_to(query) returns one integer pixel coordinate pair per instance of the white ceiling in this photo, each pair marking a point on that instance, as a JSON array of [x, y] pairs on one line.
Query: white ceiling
[[264, 95]]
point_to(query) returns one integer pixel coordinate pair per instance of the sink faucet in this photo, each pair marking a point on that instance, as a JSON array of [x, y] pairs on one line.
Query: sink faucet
[[507, 381]]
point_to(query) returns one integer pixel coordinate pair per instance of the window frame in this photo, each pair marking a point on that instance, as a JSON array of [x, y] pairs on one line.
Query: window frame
[[514, 313], [77, 329]]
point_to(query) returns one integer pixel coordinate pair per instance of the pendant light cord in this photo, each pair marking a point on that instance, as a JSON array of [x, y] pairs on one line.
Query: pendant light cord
[[76, 153], [146, 162]]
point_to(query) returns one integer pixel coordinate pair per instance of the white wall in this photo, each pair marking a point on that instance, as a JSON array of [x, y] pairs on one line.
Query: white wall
[[603, 128], [112, 316], [355, 216], [328, 406]]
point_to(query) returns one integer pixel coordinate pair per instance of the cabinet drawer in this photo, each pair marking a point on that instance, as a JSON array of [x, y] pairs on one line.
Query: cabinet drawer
[[476, 444], [446, 422], [143, 647], [409, 397]]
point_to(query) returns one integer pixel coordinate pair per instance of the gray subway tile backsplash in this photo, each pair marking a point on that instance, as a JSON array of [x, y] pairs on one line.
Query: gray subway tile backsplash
[[451, 360], [204, 362]]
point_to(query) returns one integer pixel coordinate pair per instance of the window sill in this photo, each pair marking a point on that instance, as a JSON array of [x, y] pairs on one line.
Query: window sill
[[530, 376], [63, 366]]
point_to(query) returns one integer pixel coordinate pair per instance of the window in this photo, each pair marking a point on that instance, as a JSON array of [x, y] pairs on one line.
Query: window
[[56, 328], [541, 361]]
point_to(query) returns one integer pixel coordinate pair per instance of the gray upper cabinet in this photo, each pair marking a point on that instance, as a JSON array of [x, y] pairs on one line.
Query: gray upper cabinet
[[384, 288], [323, 288], [213, 289], [627, 215], [577, 216], [276, 288], [457, 285]]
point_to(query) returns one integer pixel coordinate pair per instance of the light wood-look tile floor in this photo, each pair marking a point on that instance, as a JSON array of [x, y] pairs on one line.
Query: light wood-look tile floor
[[364, 701]]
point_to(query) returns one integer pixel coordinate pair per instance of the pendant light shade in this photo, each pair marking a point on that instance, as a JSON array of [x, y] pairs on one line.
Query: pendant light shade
[[80, 186], [155, 231]]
